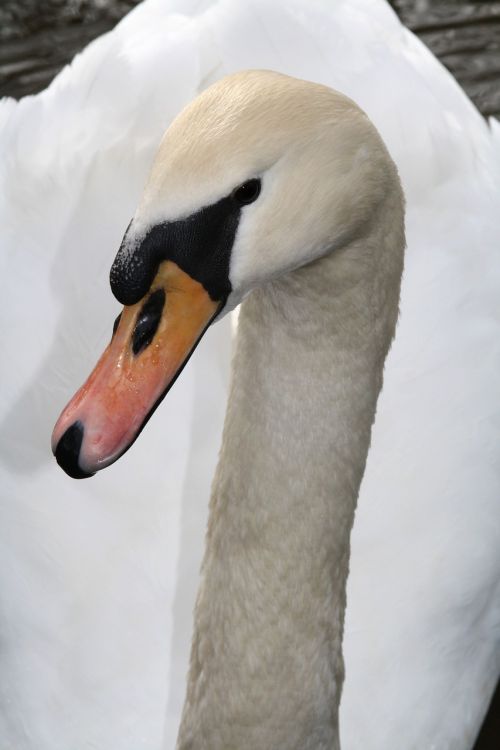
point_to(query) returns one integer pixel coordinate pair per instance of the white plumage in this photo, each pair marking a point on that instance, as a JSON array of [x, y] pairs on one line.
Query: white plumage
[[98, 578]]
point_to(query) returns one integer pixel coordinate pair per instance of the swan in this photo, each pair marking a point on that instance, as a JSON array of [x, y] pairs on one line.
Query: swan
[[99, 577], [279, 191]]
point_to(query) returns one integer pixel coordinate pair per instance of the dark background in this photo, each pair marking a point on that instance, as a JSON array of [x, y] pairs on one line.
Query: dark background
[[38, 38]]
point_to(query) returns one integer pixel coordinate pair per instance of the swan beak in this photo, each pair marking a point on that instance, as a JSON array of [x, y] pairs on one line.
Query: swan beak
[[152, 341]]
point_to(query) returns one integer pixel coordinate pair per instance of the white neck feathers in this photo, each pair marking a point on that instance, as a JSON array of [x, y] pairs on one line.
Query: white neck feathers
[[266, 664]]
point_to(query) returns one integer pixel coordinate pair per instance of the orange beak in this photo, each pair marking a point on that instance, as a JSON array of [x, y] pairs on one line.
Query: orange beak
[[150, 346]]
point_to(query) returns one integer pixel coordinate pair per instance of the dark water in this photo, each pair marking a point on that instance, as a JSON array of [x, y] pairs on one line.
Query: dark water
[[465, 36], [37, 38]]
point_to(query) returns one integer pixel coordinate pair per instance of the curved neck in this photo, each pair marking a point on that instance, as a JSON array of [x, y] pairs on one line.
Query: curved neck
[[266, 664]]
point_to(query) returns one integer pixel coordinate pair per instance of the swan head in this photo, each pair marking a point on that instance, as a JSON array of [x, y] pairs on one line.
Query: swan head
[[259, 175]]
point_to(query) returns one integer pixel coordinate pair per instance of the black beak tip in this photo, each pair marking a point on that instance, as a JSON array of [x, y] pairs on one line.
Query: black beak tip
[[67, 451]]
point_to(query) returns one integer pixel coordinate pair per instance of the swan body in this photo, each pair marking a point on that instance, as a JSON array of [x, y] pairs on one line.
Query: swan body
[[93, 618]]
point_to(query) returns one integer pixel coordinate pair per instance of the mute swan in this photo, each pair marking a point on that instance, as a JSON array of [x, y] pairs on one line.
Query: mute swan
[[93, 619], [279, 189]]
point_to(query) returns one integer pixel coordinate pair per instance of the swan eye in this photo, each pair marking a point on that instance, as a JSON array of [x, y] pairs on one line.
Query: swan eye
[[247, 193]]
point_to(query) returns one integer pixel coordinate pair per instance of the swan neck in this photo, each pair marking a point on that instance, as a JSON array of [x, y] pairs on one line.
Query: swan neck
[[266, 665]]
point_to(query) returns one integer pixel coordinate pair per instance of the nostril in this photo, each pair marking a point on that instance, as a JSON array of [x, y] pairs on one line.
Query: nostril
[[116, 324], [68, 451], [148, 321]]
